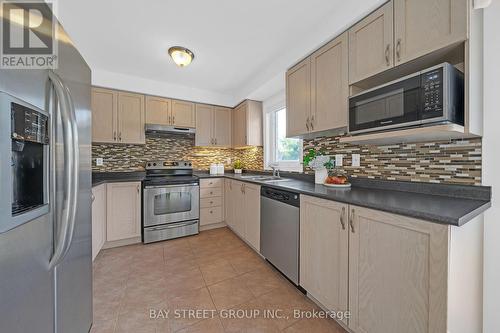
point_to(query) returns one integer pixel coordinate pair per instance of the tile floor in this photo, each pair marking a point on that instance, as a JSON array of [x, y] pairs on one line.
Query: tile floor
[[213, 271]]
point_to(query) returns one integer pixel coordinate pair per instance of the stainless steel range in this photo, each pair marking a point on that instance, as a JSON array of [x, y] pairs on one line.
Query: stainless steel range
[[171, 201]]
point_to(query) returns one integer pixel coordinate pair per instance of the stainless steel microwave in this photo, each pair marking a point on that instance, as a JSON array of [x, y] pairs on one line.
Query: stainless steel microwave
[[432, 96]]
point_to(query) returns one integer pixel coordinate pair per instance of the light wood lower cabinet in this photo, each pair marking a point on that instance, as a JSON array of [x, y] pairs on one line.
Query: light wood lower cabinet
[[397, 273], [324, 251], [243, 210], [211, 201], [98, 219], [123, 211]]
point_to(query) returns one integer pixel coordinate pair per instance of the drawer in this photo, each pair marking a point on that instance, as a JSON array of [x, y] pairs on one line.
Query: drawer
[[210, 192], [211, 182], [210, 215], [210, 202]]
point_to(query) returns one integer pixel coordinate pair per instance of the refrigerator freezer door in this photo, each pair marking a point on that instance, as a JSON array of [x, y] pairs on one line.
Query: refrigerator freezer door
[[26, 283], [74, 273]]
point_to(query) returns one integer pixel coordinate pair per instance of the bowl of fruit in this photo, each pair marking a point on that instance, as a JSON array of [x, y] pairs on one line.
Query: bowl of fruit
[[338, 181]]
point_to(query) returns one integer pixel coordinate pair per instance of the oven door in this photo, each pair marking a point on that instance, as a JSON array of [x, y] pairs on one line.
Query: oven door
[[171, 203], [394, 105]]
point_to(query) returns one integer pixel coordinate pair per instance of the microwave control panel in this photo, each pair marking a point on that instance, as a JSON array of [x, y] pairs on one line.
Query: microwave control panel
[[432, 84], [28, 124]]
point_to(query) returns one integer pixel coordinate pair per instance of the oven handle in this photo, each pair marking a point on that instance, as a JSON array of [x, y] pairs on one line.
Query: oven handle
[[171, 226], [171, 186]]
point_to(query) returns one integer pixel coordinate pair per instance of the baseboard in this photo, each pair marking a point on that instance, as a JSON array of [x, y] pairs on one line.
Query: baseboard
[[122, 242], [213, 226]]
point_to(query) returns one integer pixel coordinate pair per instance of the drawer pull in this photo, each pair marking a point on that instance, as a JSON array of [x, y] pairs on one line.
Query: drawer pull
[[211, 212]]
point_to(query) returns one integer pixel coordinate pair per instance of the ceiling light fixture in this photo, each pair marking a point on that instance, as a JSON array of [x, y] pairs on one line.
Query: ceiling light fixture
[[180, 55]]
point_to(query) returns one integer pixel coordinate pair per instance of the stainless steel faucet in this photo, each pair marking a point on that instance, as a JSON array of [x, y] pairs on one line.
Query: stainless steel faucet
[[276, 170]]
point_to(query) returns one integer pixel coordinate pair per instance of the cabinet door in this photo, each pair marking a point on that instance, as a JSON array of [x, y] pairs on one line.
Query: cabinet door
[[240, 126], [157, 110], [123, 211], [324, 251], [104, 110], [423, 26], [98, 219], [222, 126], [253, 122], [229, 202], [330, 85], [239, 208], [371, 48], [183, 114], [131, 118], [397, 273], [298, 98], [252, 215], [204, 125]]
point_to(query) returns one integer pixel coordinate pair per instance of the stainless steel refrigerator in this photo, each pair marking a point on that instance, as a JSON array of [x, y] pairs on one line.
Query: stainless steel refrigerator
[[45, 205]]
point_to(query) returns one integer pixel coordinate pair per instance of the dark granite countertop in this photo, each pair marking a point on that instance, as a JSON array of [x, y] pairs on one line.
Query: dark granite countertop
[[445, 204], [99, 178]]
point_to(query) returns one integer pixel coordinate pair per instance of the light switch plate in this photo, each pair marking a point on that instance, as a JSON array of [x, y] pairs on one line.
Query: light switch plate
[[339, 160], [356, 160], [99, 161], [228, 160]]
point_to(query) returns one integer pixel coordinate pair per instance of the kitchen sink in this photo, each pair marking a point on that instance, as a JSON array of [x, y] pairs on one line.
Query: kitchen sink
[[265, 178]]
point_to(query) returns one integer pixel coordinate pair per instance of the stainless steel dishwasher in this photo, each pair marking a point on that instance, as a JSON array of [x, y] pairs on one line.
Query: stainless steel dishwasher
[[279, 230]]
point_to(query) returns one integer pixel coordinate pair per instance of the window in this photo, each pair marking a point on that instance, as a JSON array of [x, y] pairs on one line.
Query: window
[[283, 152]]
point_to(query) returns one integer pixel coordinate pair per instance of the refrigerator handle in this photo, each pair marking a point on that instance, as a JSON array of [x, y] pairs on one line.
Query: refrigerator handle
[[71, 162]]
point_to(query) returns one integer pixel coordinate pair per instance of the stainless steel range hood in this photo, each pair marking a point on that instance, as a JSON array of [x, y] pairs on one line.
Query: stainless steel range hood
[[164, 129]]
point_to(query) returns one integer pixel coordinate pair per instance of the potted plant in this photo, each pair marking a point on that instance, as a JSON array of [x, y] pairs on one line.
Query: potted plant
[[318, 161], [238, 166]]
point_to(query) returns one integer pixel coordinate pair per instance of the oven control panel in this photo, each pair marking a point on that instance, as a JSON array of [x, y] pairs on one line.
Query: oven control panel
[[432, 86], [162, 165], [28, 124]]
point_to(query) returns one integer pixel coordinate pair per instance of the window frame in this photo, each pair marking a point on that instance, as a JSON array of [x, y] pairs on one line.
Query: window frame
[[270, 141]]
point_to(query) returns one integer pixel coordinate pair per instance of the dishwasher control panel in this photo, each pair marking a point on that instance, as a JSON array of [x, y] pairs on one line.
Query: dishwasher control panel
[[286, 197]]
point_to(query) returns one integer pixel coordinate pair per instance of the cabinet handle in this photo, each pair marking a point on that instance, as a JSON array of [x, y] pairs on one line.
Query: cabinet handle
[[211, 202], [211, 212], [169, 119], [120, 136], [398, 49], [92, 196], [173, 120], [351, 220], [342, 218], [211, 192], [114, 136], [311, 123], [215, 140], [387, 50], [307, 123]]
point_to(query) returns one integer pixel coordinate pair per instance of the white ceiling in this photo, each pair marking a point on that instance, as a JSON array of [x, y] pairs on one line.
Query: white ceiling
[[242, 48]]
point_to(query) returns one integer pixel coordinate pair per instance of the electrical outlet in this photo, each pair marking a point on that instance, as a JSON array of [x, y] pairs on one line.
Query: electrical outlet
[[339, 160], [356, 160], [99, 161]]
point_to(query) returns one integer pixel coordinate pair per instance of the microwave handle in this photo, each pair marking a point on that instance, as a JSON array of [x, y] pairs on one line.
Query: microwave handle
[[71, 162]]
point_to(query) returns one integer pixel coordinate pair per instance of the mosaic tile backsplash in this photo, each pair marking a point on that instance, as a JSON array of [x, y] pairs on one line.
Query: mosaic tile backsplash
[[449, 162], [175, 147]]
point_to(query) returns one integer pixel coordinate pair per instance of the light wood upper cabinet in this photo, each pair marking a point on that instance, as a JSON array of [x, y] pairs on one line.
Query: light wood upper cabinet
[[98, 219], [204, 125], [247, 124], [131, 118], [123, 211], [251, 214], [158, 110], [298, 98], [371, 49], [397, 273], [183, 114], [213, 126], [324, 252], [104, 113], [222, 126], [329, 85], [423, 26]]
